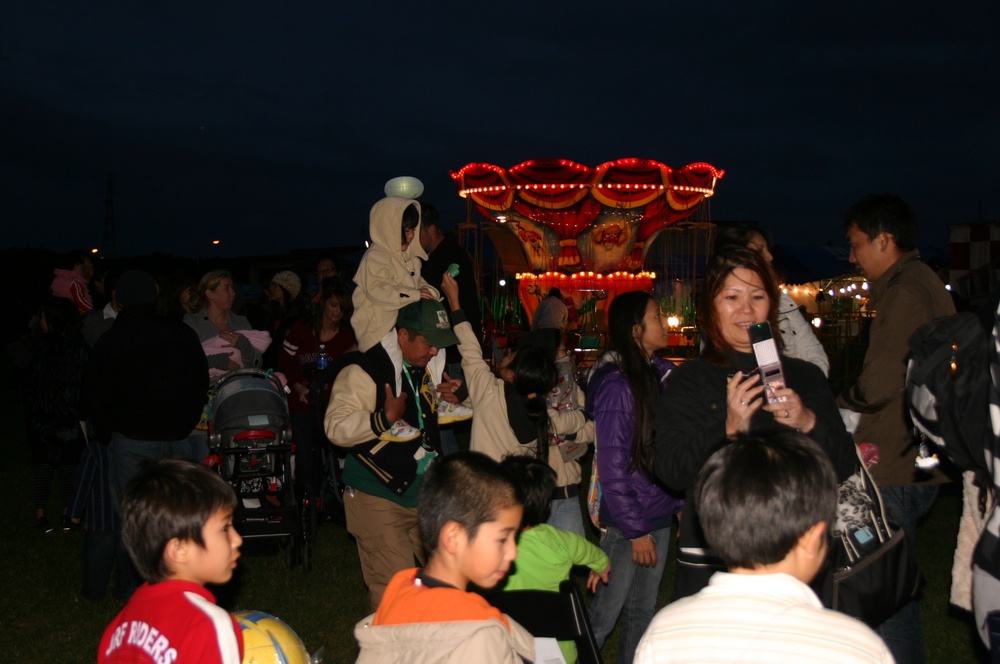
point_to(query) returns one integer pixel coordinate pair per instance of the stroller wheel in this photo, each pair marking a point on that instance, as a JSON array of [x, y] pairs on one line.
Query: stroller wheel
[[310, 515], [306, 556], [307, 527], [292, 553]]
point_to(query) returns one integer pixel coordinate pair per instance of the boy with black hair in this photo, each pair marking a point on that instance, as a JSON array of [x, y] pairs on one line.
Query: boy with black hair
[[469, 517], [545, 555], [765, 504], [177, 527]]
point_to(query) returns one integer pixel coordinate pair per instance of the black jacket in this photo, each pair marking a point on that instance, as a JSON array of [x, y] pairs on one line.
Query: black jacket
[[53, 396], [147, 378]]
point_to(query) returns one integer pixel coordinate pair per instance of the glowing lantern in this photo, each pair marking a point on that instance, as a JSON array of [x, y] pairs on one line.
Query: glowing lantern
[[404, 187]]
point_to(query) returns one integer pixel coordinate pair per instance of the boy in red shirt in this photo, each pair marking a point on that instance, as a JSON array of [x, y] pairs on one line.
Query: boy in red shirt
[[469, 517], [177, 528]]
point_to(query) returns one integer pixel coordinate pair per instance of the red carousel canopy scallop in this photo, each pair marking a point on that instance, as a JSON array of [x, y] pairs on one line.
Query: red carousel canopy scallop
[[571, 217]]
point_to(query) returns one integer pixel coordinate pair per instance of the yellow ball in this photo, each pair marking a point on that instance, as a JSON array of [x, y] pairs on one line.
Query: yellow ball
[[268, 640]]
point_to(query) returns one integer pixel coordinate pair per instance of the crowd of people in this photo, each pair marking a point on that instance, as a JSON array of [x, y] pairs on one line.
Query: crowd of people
[[697, 451]]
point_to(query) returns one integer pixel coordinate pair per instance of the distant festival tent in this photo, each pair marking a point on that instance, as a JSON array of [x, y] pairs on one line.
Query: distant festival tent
[[586, 230]]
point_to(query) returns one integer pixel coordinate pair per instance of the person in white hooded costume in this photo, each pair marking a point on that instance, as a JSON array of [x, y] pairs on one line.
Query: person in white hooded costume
[[388, 276]]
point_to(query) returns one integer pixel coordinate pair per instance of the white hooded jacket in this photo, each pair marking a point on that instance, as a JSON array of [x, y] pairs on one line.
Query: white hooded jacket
[[388, 279]]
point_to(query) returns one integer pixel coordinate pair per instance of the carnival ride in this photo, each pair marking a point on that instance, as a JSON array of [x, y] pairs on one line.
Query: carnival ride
[[586, 230]]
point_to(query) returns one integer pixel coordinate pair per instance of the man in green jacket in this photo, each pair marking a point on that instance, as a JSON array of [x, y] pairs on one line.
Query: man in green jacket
[[905, 294]]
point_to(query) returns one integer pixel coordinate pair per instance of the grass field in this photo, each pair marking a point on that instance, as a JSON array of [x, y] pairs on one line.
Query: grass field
[[40, 576]]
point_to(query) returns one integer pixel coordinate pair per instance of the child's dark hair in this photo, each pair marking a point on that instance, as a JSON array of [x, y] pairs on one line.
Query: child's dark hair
[[757, 495], [411, 217], [535, 375], [534, 482], [466, 487], [169, 498], [71, 259]]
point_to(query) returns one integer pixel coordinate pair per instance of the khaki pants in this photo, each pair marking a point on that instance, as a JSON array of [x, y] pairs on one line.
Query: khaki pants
[[388, 537]]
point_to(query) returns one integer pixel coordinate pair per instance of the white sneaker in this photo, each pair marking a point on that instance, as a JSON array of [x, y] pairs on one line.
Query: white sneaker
[[449, 413], [400, 432]]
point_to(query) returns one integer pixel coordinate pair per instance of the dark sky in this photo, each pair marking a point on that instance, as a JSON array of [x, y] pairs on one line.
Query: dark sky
[[274, 125]]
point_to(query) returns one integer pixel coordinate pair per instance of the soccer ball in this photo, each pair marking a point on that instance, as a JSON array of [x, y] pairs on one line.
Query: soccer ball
[[268, 640]]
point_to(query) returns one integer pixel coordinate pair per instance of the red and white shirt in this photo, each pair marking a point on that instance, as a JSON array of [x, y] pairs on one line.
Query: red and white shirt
[[172, 622]]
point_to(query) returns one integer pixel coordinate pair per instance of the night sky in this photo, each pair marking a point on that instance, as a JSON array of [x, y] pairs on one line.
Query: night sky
[[274, 126]]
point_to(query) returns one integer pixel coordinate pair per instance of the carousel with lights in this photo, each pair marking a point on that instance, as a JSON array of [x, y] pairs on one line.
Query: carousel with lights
[[585, 230]]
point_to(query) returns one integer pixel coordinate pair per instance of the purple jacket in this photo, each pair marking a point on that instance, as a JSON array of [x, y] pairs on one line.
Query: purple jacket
[[630, 501]]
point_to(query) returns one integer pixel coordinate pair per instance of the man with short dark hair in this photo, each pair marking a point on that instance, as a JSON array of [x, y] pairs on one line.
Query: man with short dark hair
[[443, 251], [904, 293], [144, 386], [765, 503], [551, 312], [99, 321], [387, 383]]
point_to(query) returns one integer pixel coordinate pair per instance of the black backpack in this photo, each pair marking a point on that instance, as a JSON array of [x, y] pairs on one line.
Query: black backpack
[[947, 388]]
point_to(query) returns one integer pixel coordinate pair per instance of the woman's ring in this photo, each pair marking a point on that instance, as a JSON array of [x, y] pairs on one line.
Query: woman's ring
[[743, 403], [786, 413]]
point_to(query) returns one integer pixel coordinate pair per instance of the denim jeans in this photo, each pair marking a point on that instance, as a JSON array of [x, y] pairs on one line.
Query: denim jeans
[[127, 456], [194, 447], [902, 632], [102, 552], [567, 514], [631, 592]]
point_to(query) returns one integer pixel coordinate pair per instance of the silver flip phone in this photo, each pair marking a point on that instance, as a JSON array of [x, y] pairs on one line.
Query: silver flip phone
[[768, 362]]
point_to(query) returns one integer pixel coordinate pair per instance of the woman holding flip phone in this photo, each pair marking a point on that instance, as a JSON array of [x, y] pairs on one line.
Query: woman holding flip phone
[[723, 392]]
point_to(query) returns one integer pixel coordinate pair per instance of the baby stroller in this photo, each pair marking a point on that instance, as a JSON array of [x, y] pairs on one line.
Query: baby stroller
[[251, 446]]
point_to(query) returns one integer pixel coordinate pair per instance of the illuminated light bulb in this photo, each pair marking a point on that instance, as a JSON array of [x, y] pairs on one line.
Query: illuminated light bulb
[[219, 242], [858, 296], [864, 285], [673, 321], [817, 322], [502, 282], [830, 292], [843, 291]]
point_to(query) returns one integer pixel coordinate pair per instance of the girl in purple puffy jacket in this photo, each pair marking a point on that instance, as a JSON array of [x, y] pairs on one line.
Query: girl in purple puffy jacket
[[636, 513]]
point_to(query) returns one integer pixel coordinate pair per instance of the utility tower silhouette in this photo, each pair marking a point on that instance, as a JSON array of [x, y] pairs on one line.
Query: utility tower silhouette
[[110, 247]]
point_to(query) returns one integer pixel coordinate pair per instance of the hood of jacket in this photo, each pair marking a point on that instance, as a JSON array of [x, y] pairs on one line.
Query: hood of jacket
[[452, 642], [385, 225]]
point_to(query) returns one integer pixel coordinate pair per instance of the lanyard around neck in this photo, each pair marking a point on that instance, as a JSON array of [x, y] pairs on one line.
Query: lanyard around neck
[[416, 394]]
